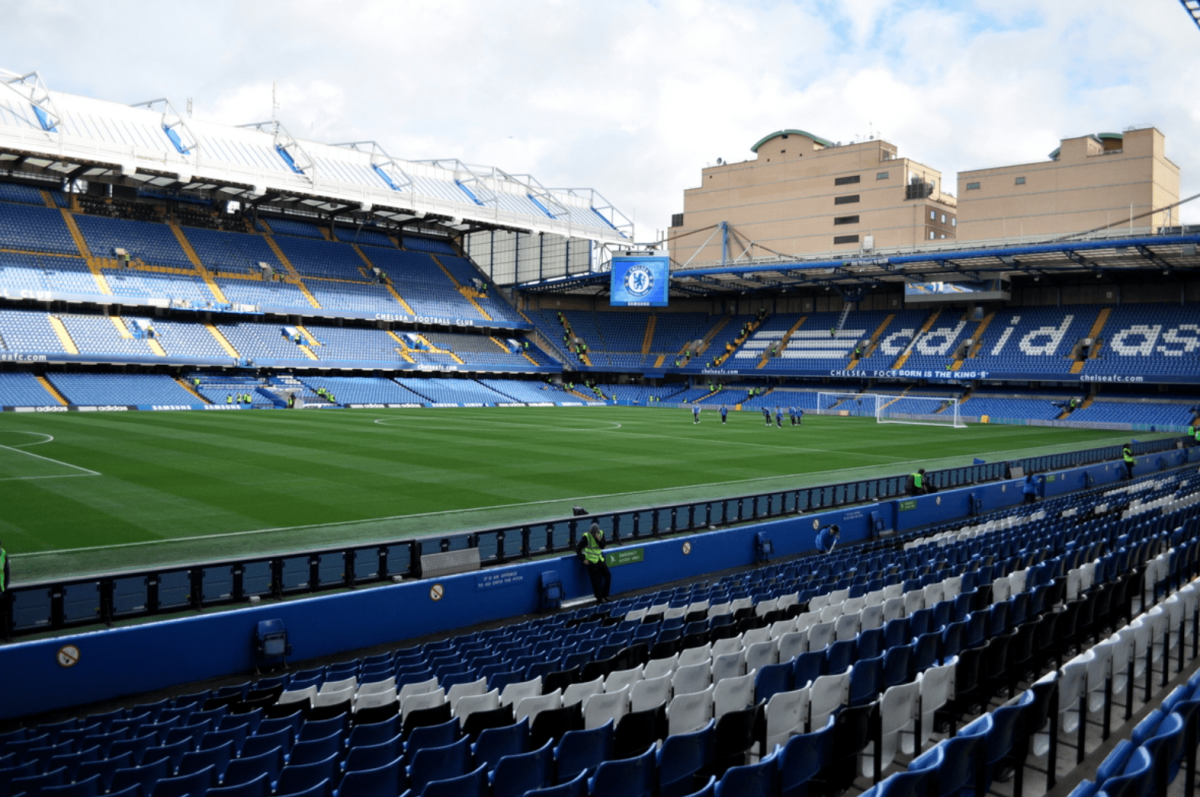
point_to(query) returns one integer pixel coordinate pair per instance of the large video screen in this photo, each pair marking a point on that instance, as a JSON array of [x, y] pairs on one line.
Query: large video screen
[[640, 281], [988, 290]]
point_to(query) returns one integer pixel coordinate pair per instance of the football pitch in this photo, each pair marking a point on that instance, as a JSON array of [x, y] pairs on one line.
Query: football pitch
[[84, 493]]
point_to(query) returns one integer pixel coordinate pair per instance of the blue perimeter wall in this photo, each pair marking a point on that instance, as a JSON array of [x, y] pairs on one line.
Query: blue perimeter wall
[[128, 661]]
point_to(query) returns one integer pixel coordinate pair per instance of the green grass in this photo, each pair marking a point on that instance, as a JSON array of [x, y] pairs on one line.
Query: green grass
[[114, 491]]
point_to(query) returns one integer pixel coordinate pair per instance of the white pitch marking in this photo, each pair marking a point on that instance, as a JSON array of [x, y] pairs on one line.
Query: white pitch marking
[[543, 427], [49, 438], [86, 471]]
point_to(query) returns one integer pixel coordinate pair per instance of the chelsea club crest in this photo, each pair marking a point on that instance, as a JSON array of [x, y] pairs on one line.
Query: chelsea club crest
[[639, 281]]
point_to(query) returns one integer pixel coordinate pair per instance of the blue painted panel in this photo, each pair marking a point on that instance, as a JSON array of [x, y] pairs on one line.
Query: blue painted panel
[[331, 568], [398, 559], [366, 563]]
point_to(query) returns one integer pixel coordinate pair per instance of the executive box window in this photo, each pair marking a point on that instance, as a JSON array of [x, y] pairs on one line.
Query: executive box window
[[854, 178], [845, 220], [972, 186], [845, 239], [848, 199]]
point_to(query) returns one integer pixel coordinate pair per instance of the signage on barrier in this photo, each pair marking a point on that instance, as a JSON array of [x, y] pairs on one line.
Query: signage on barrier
[[628, 556], [436, 592], [904, 506], [67, 656], [499, 578]]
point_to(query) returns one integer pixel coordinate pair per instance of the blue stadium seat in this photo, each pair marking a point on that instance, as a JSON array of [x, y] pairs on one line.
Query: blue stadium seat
[[630, 777], [583, 750], [438, 763], [683, 761], [383, 781], [514, 775]]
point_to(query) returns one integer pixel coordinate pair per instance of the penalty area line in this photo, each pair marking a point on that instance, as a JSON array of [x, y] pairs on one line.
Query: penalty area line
[[85, 471]]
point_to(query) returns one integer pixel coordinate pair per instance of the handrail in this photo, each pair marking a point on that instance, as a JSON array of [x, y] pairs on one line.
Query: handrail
[[60, 604]]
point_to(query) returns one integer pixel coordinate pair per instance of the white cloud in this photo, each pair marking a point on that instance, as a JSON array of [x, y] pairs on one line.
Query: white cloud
[[634, 97]]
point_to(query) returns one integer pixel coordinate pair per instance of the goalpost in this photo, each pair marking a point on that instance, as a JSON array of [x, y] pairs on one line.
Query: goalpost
[[917, 410]]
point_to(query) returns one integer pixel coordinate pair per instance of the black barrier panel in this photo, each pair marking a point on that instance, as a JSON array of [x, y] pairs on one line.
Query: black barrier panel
[[256, 579], [366, 564], [81, 603], [129, 595], [174, 589], [331, 569], [294, 573], [75, 602], [218, 583], [489, 546], [31, 608]]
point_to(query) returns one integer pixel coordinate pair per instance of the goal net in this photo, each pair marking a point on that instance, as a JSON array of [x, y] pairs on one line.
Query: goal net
[[921, 410]]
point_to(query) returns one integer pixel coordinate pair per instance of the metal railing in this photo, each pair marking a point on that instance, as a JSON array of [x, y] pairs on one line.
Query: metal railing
[[105, 599]]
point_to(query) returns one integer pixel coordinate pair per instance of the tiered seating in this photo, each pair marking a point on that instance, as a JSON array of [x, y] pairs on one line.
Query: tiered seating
[[1033, 339], [781, 397], [320, 258], [1148, 339], [256, 340], [364, 237], [982, 403], [363, 389], [522, 390], [893, 340], [453, 391], [476, 349], [217, 388], [94, 334], [33, 229], [231, 252], [263, 293], [151, 243], [358, 296], [21, 194], [22, 271], [151, 285], [23, 390], [28, 331], [184, 339], [97, 389], [464, 272], [423, 285], [292, 227], [366, 345], [798, 666], [1136, 412]]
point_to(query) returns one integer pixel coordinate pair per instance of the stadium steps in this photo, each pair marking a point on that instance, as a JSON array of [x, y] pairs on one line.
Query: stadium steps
[[1097, 328], [309, 353], [191, 390], [659, 362], [122, 327], [583, 396], [904, 355], [648, 338], [156, 347], [295, 280], [194, 259], [437, 350], [312, 341], [64, 337], [48, 200], [81, 244], [977, 337], [387, 282], [223, 341], [52, 390], [466, 292], [403, 350], [903, 393], [875, 338], [712, 333], [783, 342]]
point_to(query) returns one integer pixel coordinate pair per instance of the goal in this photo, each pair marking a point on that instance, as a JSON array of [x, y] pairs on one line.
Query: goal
[[919, 410]]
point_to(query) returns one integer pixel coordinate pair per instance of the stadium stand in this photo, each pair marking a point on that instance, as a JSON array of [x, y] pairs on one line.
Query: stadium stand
[[22, 389], [99, 389], [1001, 638]]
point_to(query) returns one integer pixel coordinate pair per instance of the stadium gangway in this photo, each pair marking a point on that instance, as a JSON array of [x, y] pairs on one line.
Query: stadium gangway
[[61, 604]]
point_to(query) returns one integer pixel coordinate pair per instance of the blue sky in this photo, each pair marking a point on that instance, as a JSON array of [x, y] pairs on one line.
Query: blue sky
[[633, 97]]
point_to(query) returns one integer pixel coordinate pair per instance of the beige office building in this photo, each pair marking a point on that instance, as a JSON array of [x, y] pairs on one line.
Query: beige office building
[[1088, 182], [803, 194]]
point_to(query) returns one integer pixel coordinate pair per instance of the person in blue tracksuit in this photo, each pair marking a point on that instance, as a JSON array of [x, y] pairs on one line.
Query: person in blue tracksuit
[[767, 414], [724, 414], [778, 417], [799, 416], [696, 414], [828, 537]]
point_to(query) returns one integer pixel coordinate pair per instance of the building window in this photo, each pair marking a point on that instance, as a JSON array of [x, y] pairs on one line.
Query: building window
[[943, 235], [845, 220], [676, 219], [882, 175], [854, 178], [953, 222], [1020, 181], [943, 218], [848, 199], [845, 239], [931, 235], [933, 215], [972, 186]]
